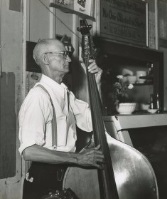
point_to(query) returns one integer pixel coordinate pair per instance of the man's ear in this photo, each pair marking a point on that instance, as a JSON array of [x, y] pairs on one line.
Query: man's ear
[[45, 59]]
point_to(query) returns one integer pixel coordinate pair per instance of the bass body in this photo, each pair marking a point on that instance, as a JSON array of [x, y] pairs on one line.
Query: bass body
[[134, 176]]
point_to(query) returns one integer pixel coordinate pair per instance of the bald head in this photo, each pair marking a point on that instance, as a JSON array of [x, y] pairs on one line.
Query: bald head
[[44, 46]]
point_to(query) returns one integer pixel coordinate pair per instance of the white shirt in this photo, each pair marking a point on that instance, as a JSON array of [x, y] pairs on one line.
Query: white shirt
[[36, 113]]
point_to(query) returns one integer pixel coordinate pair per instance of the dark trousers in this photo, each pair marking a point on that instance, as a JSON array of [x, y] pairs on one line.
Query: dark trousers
[[46, 178]]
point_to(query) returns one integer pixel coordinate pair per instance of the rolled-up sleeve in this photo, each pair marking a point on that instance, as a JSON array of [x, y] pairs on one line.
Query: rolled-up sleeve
[[32, 119]]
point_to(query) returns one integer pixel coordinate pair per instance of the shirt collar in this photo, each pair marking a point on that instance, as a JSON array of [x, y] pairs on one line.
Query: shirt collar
[[55, 87]]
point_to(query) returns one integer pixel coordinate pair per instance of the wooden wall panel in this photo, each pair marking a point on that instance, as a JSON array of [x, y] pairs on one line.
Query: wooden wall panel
[[7, 126]]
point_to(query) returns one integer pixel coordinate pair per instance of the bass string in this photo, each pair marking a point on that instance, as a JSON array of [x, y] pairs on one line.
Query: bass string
[[106, 177]]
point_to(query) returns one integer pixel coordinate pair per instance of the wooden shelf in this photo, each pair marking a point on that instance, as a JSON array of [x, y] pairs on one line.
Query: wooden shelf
[[71, 11], [148, 77], [143, 84]]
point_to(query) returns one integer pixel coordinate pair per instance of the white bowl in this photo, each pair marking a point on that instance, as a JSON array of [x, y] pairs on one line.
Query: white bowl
[[126, 108], [152, 110], [145, 107], [132, 79], [140, 74]]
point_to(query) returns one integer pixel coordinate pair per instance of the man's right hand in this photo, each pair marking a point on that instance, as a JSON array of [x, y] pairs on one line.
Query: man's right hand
[[91, 157]]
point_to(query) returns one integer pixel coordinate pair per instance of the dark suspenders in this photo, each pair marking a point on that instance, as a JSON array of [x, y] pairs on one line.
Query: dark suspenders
[[54, 122]]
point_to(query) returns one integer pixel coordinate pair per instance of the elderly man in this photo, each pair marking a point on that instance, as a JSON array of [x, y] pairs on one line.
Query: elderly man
[[47, 123]]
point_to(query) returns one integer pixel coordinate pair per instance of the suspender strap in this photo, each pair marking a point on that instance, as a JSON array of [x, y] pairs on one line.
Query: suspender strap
[[54, 122]]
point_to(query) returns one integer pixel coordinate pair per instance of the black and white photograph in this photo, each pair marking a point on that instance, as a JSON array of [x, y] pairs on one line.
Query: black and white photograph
[[83, 99]]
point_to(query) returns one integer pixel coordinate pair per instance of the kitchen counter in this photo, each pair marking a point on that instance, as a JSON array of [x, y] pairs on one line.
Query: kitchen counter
[[139, 120]]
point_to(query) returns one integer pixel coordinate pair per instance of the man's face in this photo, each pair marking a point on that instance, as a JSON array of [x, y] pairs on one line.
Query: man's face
[[58, 58]]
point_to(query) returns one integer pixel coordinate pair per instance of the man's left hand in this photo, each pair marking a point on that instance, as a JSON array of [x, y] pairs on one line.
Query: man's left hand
[[93, 68]]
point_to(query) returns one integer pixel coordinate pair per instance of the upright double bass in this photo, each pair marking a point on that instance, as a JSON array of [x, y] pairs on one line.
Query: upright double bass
[[127, 173]]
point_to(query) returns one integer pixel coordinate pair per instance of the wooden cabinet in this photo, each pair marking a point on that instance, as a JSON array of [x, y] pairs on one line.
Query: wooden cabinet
[[116, 57]]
